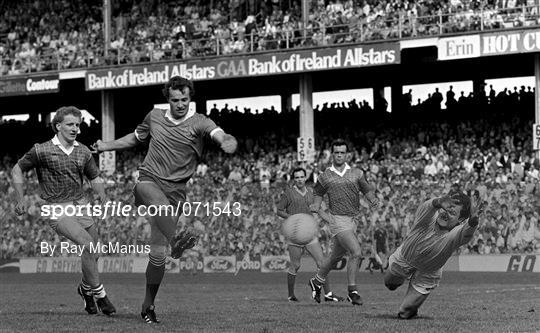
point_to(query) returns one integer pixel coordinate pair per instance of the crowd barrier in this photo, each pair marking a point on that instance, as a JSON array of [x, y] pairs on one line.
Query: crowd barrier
[[263, 264]]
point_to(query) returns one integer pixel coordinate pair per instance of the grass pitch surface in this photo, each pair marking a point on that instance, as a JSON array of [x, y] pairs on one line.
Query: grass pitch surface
[[255, 302]]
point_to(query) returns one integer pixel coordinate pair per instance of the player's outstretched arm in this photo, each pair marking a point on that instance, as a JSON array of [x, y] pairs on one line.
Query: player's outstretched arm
[[226, 141], [17, 178], [99, 187], [476, 209], [446, 201], [124, 142]]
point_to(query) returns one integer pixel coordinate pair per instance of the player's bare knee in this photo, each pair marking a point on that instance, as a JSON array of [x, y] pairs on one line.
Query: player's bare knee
[[86, 242], [294, 267], [356, 254]]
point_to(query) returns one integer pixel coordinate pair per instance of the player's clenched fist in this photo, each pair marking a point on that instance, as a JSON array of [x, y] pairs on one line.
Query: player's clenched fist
[[374, 202], [20, 208], [98, 147], [229, 144]]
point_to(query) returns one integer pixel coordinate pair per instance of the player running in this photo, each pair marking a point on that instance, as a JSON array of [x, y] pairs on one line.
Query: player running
[[61, 165], [176, 140], [343, 186], [296, 200], [438, 231]]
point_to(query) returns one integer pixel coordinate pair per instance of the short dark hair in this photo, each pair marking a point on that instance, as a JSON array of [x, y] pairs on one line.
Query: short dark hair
[[298, 170], [61, 113], [339, 142], [178, 83]]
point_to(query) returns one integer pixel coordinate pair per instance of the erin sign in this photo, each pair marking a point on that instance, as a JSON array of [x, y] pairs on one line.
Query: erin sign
[[243, 66]]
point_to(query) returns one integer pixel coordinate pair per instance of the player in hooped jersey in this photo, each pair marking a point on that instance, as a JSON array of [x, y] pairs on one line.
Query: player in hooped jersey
[[61, 165], [176, 140], [343, 186], [295, 200], [439, 229]]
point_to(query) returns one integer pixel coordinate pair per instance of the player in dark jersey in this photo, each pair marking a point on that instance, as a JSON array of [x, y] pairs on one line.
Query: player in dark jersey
[[61, 165], [343, 186], [176, 140], [295, 200]]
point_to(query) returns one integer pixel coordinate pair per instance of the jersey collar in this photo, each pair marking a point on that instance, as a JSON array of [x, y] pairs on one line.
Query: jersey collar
[[342, 173], [300, 192], [57, 142], [179, 121]]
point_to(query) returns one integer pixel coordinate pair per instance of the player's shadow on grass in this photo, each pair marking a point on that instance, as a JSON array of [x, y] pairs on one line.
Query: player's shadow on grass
[[387, 316], [123, 316], [303, 303]]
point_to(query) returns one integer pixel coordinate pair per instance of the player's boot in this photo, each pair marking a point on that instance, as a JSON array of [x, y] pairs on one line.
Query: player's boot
[[293, 299], [315, 290], [88, 298], [105, 306], [355, 298], [181, 242], [413, 315], [331, 297], [149, 315]]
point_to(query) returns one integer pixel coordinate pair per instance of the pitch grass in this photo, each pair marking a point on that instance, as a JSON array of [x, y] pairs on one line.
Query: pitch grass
[[254, 302]]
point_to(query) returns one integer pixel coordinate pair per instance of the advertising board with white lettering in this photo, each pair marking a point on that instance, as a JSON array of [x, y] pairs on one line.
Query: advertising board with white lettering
[[128, 264], [490, 44], [243, 66], [29, 85], [248, 263], [219, 264], [458, 47], [191, 263], [499, 263], [271, 264]]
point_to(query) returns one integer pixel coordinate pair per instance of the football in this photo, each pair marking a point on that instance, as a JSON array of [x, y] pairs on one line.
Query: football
[[300, 229]]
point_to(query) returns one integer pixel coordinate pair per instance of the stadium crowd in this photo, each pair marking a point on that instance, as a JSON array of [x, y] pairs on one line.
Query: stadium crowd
[[59, 34], [408, 161]]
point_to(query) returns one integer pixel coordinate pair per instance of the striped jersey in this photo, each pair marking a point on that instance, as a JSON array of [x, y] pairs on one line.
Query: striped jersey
[[427, 247], [293, 202], [174, 149], [60, 175], [343, 189]]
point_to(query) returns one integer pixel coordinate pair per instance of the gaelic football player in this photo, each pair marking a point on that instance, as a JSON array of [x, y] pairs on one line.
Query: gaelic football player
[[440, 228], [61, 165], [295, 200], [176, 140], [343, 185]]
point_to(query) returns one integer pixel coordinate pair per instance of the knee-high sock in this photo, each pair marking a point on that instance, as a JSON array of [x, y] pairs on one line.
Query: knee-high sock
[[290, 283], [154, 275]]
